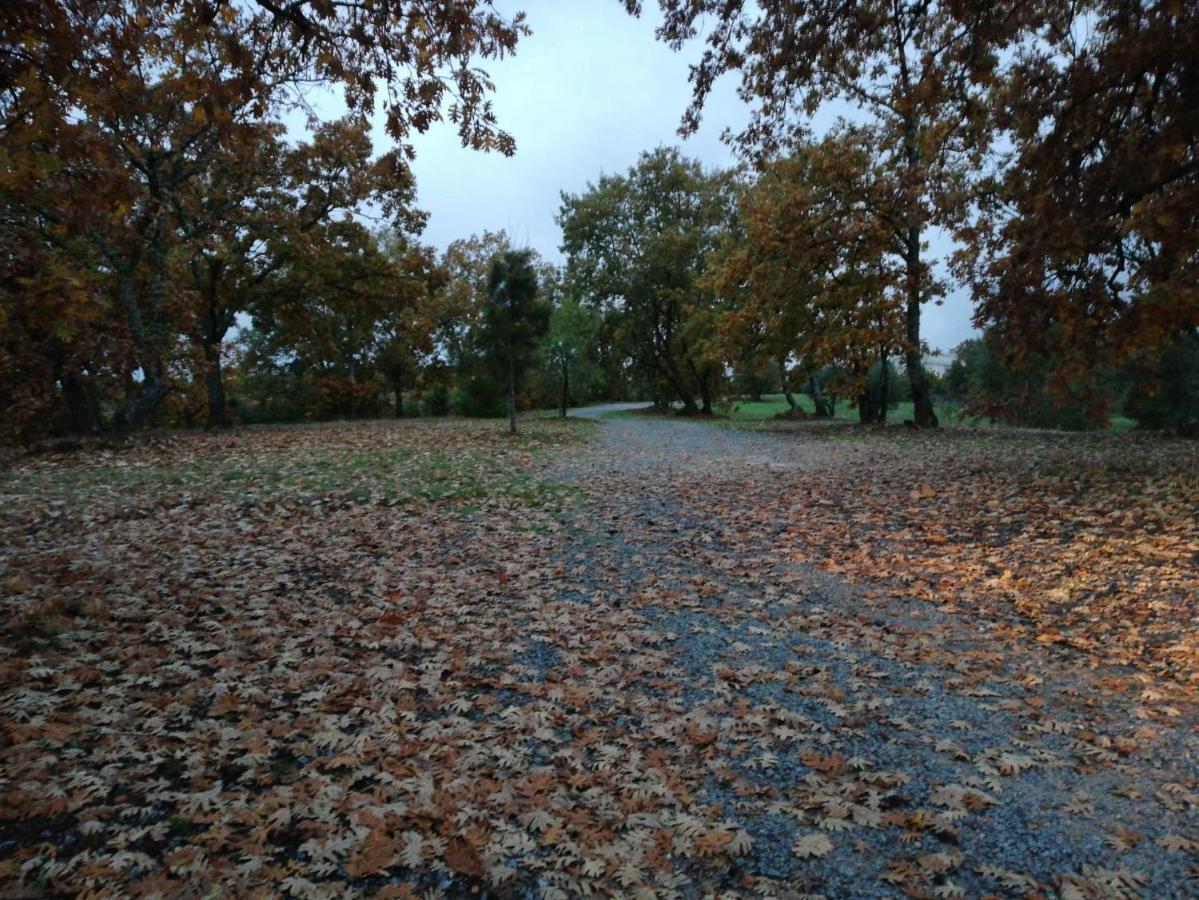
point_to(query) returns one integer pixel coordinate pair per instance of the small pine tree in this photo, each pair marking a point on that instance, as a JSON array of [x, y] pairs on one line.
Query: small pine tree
[[514, 319]]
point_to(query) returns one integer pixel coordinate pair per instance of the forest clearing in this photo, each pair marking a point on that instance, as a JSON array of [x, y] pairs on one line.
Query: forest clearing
[[633, 448], [612, 656]]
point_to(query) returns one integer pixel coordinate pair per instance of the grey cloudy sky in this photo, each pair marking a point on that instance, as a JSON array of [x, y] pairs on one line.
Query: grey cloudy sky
[[585, 94]]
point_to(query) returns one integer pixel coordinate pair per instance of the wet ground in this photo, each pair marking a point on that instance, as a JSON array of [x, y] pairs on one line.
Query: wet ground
[[933, 759]]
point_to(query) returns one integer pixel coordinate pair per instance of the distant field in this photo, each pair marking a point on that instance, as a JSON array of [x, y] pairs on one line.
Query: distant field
[[772, 405]]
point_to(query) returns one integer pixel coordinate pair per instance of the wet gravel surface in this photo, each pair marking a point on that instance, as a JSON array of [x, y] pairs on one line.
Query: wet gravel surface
[[1082, 784]]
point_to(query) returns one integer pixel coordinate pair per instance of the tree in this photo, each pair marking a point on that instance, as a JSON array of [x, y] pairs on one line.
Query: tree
[[120, 123], [247, 219], [514, 319], [573, 332], [138, 111], [1168, 396], [920, 69], [467, 264], [805, 274], [406, 332], [990, 380], [322, 317], [1087, 247], [637, 246]]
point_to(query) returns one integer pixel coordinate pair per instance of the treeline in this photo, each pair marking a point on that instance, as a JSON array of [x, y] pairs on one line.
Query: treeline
[[417, 332], [151, 201], [173, 257], [1163, 395]]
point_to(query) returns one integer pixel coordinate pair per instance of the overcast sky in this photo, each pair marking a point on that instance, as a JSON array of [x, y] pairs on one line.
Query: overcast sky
[[585, 94]]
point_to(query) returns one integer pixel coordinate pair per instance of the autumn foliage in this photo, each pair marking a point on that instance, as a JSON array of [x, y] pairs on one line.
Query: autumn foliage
[[150, 197]]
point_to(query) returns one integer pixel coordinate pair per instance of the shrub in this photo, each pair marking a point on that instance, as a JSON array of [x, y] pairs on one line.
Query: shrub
[[435, 400], [1167, 397], [480, 396], [989, 385]]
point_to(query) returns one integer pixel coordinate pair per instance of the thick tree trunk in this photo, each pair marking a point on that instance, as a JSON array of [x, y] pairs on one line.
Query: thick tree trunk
[[866, 415], [127, 292], [214, 383], [824, 409], [143, 399], [659, 403], [139, 403], [81, 405], [923, 413], [511, 394], [678, 383]]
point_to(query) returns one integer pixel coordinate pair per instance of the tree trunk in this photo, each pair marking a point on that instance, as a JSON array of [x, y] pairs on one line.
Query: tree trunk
[[81, 405], [397, 386], [701, 381], [705, 393], [866, 397], [142, 399], [790, 398], [564, 398], [923, 413], [214, 383], [791, 404], [866, 407], [139, 403], [511, 393], [677, 382], [660, 402], [824, 409], [922, 404], [884, 387]]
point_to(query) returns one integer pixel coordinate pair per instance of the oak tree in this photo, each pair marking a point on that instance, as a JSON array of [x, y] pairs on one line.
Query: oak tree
[[1086, 249], [919, 70], [806, 275], [120, 122], [637, 246]]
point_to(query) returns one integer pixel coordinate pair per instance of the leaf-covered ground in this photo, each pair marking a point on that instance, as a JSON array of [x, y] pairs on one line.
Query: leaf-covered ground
[[641, 658]]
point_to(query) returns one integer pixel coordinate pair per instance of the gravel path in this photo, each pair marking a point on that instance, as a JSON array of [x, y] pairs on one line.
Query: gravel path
[[602, 409], [935, 762]]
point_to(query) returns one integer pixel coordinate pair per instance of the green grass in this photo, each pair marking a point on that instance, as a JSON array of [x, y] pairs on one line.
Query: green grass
[[773, 404], [749, 413], [442, 461], [1121, 424]]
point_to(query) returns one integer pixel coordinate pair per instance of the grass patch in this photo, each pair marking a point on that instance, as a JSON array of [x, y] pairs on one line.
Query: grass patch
[[646, 412], [387, 462], [772, 405], [762, 413]]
